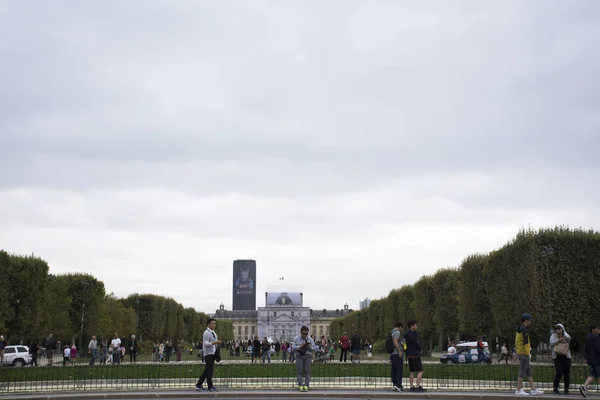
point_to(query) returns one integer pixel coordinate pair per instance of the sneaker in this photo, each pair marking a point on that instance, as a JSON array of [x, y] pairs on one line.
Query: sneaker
[[583, 391], [521, 393], [305, 388], [536, 392], [199, 388], [421, 389], [412, 389], [556, 391], [213, 389], [300, 388], [398, 388]]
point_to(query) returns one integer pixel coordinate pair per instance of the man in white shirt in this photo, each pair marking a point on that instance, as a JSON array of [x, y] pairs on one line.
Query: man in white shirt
[[210, 342], [116, 343], [451, 349]]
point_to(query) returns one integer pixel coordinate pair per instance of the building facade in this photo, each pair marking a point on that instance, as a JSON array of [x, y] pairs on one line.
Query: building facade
[[244, 285], [244, 322]]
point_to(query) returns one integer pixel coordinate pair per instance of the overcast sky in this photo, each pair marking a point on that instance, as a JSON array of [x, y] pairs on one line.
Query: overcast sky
[[348, 146]]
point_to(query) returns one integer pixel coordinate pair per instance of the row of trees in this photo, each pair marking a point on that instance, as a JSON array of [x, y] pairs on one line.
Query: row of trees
[[487, 293], [73, 307]]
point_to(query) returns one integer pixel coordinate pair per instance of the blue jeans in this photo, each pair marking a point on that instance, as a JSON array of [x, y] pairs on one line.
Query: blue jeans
[[397, 367], [94, 356], [266, 354]]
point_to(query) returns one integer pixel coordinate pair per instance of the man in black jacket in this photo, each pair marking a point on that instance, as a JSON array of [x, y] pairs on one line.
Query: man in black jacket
[[592, 351], [413, 353]]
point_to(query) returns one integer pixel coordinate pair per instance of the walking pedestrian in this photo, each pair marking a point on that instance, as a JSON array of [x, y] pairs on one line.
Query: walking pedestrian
[[561, 354], [592, 352], [523, 346], [210, 341], [302, 347]]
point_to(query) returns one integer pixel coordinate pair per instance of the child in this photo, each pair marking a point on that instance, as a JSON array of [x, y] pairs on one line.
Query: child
[[331, 352], [66, 355]]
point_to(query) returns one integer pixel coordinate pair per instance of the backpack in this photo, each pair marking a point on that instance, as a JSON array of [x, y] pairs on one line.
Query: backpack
[[389, 343]]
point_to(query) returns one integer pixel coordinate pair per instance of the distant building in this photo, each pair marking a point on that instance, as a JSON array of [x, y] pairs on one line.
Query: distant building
[[244, 322], [364, 304], [280, 319], [244, 285]]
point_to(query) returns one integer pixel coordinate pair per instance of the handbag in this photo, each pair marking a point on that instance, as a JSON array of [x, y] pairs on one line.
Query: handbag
[[561, 348], [218, 354]]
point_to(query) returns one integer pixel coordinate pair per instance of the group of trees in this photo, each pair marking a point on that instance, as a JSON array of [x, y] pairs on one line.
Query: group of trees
[[34, 303], [487, 293]]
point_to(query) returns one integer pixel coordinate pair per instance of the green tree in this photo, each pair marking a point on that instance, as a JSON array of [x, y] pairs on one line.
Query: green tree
[[474, 308], [424, 306], [445, 284]]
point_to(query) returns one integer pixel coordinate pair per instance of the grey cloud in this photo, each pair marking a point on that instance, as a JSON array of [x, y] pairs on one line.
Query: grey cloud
[[299, 127]]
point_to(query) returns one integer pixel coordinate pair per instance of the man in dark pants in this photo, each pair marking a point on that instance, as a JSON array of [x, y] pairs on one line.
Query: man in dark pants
[[397, 358], [344, 344], [133, 349], [209, 343]]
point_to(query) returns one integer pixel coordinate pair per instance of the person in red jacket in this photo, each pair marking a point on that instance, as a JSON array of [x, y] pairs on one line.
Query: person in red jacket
[[345, 345]]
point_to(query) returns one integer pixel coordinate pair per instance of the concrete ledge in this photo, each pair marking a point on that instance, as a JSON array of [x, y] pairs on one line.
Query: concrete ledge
[[282, 394]]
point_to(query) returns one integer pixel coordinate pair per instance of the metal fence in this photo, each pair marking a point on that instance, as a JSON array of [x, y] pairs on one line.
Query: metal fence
[[276, 375]]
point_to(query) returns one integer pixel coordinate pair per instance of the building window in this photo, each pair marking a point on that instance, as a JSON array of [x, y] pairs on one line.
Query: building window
[[292, 313], [274, 313], [246, 330], [253, 330], [239, 330]]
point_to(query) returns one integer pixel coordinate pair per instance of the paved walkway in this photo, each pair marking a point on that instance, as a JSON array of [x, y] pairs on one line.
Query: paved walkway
[[279, 394]]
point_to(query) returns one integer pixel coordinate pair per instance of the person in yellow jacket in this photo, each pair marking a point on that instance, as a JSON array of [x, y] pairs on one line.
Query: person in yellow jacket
[[523, 346]]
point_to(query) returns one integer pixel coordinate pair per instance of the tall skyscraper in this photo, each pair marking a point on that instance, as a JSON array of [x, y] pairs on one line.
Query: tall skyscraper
[[364, 304], [244, 285]]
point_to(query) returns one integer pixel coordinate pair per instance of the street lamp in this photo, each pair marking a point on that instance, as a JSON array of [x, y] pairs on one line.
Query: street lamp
[[546, 253], [84, 284]]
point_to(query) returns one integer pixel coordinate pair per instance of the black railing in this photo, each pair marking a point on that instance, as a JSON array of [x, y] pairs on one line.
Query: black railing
[[277, 375]]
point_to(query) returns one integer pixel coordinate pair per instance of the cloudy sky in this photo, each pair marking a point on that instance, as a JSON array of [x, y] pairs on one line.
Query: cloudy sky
[[348, 146]]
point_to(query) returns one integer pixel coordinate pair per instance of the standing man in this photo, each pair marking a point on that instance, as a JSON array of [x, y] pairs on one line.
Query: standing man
[[93, 349], [397, 357], [116, 344], [33, 351], [355, 340], [50, 347], [303, 346], [344, 344], [266, 350], [592, 352], [524, 354], [413, 352], [209, 343], [133, 349]]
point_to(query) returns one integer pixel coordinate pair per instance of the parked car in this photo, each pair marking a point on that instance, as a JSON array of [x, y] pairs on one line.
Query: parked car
[[466, 353], [17, 356]]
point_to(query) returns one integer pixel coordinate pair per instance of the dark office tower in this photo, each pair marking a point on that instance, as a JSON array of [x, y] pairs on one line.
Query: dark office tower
[[244, 285]]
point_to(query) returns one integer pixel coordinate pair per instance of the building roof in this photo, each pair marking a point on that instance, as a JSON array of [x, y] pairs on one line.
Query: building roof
[[253, 314]]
